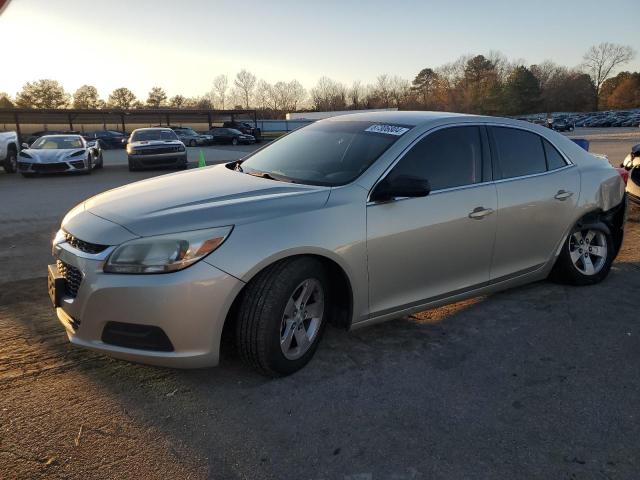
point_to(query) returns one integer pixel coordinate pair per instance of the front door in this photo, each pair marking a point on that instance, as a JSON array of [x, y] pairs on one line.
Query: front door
[[422, 249]]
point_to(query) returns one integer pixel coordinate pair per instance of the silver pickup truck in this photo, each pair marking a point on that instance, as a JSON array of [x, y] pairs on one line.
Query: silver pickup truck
[[9, 151]]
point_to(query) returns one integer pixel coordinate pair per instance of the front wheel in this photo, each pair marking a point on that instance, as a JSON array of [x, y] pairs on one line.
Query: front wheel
[[132, 165], [586, 257], [11, 162], [282, 315]]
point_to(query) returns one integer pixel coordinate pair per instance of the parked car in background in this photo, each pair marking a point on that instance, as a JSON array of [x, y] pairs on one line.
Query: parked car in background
[[353, 220], [108, 139], [632, 159], [36, 135], [60, 154], [231, 136], [9, 151], [190, 137], [155, 147], [246, 128], [562, 126]]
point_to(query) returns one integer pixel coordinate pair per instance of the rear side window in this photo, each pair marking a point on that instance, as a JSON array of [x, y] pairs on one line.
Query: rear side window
[[519, 152], [448, 158], [554, 159]]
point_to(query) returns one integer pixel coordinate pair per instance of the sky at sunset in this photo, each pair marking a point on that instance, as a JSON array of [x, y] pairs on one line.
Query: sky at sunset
[[182, 45]]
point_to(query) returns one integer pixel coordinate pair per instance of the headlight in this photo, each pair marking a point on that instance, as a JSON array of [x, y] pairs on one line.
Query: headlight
[[24, 155], [181, 148], [165, 253], [130, 150]]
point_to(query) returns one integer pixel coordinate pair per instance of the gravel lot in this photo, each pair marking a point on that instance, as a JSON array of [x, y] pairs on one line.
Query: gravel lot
[[537, 382]]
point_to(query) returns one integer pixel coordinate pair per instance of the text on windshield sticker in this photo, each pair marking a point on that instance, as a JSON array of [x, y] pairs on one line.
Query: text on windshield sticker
[[387, 129]]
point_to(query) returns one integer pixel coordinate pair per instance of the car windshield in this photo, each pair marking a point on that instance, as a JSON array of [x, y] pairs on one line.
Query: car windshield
[[325, 153], [58, 143], [147, 135]]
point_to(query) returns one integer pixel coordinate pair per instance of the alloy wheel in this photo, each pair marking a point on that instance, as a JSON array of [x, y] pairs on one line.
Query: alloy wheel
[[302, 319], [588, 251]]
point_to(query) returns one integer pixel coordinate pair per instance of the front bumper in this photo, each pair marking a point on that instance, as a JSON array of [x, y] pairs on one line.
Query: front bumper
[[25, 166], [175, 159], [189, 306]]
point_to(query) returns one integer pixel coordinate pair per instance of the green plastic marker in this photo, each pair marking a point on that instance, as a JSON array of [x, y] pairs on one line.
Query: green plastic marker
[[201, 162]]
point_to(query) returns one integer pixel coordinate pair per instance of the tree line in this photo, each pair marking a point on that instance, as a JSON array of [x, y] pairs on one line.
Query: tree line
[[484, 84]]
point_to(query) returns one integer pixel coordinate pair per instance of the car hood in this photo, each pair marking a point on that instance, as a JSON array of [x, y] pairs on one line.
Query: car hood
[[52, 155], [202, 198]]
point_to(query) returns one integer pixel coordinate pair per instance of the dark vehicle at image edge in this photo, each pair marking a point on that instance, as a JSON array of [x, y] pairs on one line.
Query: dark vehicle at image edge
[[109, 139], [230, 136], [245, 128], [155, 147]]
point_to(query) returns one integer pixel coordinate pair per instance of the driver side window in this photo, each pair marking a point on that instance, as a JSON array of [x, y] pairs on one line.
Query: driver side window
[[451, 157]]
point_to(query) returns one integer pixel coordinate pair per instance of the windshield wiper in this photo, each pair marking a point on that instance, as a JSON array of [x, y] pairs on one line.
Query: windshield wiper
[[270, 176]]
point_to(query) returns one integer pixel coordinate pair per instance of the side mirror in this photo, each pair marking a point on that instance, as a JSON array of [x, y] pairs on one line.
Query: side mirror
[[25, 145], [400, 186]]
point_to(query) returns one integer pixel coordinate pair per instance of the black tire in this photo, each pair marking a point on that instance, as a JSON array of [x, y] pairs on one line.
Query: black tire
[[132, 165], [11, 162], [100, 163], [192, 143], [234, 141], [564, 271], [89, 166], [261, 310]]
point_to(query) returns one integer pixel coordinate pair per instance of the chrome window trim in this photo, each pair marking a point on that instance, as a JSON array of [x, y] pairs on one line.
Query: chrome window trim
[[401, 155]]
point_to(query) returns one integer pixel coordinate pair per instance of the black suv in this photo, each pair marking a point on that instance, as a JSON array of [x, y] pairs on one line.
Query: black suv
[[245, 128]]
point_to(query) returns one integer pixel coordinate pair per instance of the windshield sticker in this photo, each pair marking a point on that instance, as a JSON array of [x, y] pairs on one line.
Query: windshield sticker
[[387, 129]]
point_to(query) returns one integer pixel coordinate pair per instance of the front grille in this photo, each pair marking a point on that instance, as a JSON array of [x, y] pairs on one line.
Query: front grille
[[50, 167], [83, 246], [72, 276], [24, 166], [157, 150]]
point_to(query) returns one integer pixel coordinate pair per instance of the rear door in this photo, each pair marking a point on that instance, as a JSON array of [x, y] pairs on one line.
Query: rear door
[[420, 249], [537, 193]]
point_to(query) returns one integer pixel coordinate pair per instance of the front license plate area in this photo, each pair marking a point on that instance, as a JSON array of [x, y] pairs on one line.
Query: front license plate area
[[55, 285]]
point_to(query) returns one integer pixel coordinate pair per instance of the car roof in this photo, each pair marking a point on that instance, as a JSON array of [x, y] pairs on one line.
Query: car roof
[[154, 128], [62, 135], [413, 118]]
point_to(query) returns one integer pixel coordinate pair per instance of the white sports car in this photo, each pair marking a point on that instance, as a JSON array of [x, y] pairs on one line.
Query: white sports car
[[59, 154]]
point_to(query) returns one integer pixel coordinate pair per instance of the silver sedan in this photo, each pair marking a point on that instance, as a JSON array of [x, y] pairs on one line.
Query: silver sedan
[[351, 220]]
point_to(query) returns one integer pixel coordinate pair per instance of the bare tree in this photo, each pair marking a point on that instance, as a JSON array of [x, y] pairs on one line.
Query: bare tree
[[356, 94], [329, 95], [601, 60], [297, 95], [262, 94], [383, 90], [220, 87], [177, 101], [157, 97], [245, 82]]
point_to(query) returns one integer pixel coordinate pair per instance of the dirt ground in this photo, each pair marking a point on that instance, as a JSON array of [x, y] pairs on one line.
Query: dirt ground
[[537, 382]]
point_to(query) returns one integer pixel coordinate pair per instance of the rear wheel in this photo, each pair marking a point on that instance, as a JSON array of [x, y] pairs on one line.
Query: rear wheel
[[192, 143], [282, 316], [586, 257], [11, 162], [234, 141]]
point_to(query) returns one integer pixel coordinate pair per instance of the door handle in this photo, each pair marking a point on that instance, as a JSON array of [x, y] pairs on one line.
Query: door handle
[[479, 213], [562, 195]]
